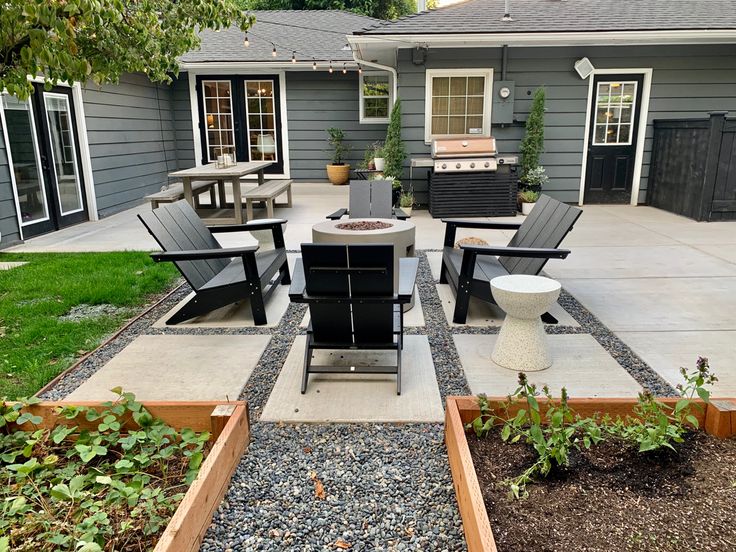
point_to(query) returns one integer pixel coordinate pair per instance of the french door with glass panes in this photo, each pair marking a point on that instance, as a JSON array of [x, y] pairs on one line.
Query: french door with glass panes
[[44, 148], [240, 116]]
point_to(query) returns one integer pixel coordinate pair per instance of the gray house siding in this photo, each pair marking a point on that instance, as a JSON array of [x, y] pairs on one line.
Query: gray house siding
[[8, 216], [316, 101], [182, 120], [686, 82], [131, 138]]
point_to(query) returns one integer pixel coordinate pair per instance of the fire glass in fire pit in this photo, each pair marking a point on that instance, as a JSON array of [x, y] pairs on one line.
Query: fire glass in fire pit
[[364, 225]]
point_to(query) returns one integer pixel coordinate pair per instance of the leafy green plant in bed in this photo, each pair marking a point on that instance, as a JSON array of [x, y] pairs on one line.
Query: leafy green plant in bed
[[105, 488]]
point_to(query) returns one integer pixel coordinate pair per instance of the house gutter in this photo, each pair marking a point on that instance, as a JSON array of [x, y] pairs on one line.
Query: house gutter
[[373, 65]]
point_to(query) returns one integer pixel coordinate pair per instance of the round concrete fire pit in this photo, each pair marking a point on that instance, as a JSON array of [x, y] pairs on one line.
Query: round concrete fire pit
[[522, 342], [400, 233]]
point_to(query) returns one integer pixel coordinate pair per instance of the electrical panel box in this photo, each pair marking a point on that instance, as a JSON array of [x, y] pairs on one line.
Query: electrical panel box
[[502, 111]]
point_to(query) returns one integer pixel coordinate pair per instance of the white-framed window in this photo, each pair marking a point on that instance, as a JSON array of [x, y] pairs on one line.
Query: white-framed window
[[457, 102], [218, 116], [614, 119], [375, 97]]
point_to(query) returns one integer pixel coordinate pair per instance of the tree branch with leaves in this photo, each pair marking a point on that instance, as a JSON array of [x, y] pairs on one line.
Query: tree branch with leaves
[[99, 40]]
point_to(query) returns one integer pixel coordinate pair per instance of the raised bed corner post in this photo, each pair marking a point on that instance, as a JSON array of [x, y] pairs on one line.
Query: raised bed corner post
[[715, 135]]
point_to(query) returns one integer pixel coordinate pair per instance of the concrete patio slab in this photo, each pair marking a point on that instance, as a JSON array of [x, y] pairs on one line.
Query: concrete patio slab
[[413, 318], [722, 252], [357, 397], [659, 304], [665, 261], [666, 352], [580, 364], [434, 258], [178, 368], [237, 315], [11, 264], [482, 314]]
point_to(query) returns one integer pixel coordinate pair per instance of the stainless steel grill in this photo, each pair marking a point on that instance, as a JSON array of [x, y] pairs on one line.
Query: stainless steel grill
[[464, 154]]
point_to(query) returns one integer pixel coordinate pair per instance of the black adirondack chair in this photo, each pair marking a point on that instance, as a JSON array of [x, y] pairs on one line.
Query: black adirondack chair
[[469, 270], [352, 304], [370, 199], [218, 276]]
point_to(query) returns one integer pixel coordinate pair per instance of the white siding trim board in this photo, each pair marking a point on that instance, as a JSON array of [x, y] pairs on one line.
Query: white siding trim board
[[641, 131]]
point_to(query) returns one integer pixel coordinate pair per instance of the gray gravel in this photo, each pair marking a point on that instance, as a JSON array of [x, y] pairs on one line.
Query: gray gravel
[[386, 488]]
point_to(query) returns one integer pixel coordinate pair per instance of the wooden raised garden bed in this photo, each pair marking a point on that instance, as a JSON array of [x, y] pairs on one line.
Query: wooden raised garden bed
[[228, 424], [718, 418]]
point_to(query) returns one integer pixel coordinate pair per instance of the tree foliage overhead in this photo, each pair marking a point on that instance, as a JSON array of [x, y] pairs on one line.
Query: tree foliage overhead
[[380, 9], [77, 40]]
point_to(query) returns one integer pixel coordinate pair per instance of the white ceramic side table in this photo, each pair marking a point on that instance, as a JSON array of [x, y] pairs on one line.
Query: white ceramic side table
[[522, 342]]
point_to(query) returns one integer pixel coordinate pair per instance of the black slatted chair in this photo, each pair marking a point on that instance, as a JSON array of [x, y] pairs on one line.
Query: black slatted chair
[[370, 199], [469, 270], [218, 276], [352, 304]]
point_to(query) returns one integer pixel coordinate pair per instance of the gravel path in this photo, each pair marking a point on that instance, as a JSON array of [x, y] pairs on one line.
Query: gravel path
[[387, 487]]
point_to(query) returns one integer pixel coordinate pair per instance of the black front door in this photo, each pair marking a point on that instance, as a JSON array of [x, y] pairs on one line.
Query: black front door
[[241, 116], [615, 110]]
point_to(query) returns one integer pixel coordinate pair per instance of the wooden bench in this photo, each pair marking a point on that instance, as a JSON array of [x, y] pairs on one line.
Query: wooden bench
[[267, 192], [175, 192]]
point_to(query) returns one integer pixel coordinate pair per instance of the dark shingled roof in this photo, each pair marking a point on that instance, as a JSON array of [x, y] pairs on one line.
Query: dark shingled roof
[[318, 34], [540, 16]]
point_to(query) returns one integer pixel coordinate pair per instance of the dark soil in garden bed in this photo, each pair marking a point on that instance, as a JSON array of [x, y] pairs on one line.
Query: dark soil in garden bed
[[612, 498]]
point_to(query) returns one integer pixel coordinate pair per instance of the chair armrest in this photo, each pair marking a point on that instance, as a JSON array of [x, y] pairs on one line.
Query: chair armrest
[[298, 282], [408, 267], [400, 214], [337, 215], [203, 254], [261, 224], [533, 252], [464, 223]]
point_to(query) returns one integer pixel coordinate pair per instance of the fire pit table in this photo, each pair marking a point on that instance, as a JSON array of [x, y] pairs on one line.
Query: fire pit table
[[400, 233]]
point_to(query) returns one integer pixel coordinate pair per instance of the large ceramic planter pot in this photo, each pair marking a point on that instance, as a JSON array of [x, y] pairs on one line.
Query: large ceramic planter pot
[[338, 174], [718, 418], [229, 428]]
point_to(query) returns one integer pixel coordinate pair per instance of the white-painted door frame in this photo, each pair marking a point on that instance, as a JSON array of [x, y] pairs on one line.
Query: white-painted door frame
[[235, 70], [641, 131]]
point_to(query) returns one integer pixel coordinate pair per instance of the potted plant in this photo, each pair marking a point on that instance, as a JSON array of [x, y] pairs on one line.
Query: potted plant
[[406, 202], [532, 185], [338, 172], [379, 161], [527, 199]]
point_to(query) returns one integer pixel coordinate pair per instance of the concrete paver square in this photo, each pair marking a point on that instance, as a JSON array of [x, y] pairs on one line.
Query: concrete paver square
[[667, 352], [357, 397], [483, 314], [434, 258], [658, 304], [579, 363], [413, 318], [178, 368]]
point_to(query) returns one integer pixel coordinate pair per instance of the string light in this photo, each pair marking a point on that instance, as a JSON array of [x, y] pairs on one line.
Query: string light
[[273, 52], [330, 66], [360, 69], [344, 69], [246, 41], [293, 57], [314, 64]]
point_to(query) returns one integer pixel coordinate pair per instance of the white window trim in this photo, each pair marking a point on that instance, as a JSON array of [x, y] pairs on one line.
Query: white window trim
[[468, 72], [641, 131], [232, 118], [375, 120]]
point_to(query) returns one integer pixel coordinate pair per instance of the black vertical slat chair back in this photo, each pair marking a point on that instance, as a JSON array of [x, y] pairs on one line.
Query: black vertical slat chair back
[[546, 226], [176, 227], [381, 199], [342, 323], [360, 199], [372, 323], [331, 322]]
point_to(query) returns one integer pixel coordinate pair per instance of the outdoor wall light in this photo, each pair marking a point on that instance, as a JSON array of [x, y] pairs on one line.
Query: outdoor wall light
[[584, 67]]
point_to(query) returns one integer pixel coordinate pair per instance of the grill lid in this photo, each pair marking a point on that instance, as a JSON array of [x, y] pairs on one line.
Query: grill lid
[[464, 146]]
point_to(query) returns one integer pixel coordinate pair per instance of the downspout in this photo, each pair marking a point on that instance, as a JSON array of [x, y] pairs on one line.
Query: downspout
[[394, 74], [504, 60]]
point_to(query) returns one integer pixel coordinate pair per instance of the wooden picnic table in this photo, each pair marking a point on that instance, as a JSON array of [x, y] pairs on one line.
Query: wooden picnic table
[[232, 174]]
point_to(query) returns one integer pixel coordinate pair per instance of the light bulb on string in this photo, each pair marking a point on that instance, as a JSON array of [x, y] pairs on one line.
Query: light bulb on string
[[360, 69], [331, 66], [344, 69], [314, 65], [273, 52], [293, 57], [246, 41]]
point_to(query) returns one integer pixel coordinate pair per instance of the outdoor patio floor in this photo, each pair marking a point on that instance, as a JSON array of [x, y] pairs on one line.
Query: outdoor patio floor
[[645, 293]]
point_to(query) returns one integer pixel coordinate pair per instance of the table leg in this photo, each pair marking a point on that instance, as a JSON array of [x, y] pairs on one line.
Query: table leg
[[261, 177], [288, 196], [249, 209], [187, 183], [237, 201], [221, 192]]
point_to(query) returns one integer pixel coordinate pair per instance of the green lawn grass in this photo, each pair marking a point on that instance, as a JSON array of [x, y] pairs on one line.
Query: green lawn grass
[[35, 345]]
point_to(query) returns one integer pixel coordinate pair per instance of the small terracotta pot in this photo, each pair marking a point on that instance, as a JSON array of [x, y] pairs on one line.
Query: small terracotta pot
[[338, 174]]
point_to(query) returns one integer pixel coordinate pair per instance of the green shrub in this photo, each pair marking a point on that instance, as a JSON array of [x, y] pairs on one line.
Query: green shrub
[[532, 145], [339, 147], [393, 150]]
